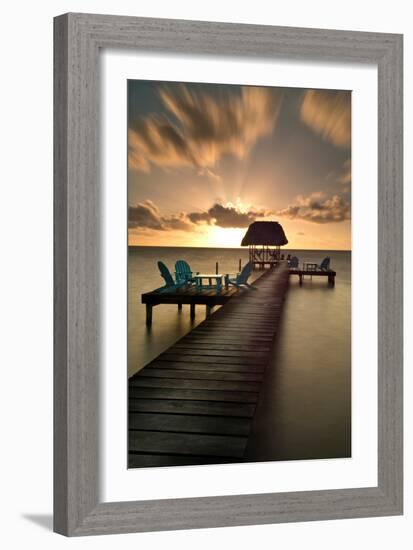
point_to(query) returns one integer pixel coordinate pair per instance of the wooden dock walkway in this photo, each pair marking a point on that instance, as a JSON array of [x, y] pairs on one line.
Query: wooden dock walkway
[[195, 402], [301, 273], [209, 297]]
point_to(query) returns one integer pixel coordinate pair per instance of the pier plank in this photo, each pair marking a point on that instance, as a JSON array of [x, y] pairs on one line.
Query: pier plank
[[147, 460], [179, 356], [213, 425], [248, 332], [208, 351], [176, 406], [187, 444], [204, 366], [139, 392], [187, 375], [229, 385], [230, 346], [227, 338]]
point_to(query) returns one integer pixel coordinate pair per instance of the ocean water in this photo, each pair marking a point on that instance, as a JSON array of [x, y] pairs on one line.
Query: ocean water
[[305, 404]]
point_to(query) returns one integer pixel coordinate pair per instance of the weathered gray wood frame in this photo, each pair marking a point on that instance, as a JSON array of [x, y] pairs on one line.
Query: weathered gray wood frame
[[78, 39]]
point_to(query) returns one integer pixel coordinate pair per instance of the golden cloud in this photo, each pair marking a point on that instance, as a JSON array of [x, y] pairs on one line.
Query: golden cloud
[[226, 216], [146, 215], [318, 208], [329, 115], [199, 129]]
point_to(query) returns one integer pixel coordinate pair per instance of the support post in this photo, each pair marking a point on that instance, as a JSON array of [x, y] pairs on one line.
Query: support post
[[179, 307], [301, 278], [192, 311], [148, 315], [208, 310]]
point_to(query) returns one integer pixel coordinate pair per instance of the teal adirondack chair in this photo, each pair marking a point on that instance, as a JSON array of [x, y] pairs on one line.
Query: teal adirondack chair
[[293, 263], [183, 272], [241, 280], [167, 277], [325, 264]]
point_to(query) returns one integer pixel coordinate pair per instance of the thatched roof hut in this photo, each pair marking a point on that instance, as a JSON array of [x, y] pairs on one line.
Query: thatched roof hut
[[264, 233], [264, 240]]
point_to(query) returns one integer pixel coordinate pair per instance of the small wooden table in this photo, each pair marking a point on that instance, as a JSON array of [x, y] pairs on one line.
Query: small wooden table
[[200, 277], [310, 266]]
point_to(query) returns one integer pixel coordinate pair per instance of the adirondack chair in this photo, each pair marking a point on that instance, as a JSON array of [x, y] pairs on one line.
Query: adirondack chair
[[325, 264], [241, 280], [167, 277], [183, 272], [293, 263]]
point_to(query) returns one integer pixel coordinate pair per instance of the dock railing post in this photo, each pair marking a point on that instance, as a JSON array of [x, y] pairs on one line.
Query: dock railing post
[[216, 268], [192, 311], [148, 315]]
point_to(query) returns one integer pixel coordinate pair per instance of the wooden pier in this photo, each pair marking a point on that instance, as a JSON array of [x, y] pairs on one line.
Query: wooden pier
[[301, 273], [195, 402], [208, 297]]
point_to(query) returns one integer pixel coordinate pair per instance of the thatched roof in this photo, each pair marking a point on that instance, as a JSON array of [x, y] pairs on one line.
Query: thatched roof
[[269, 233]]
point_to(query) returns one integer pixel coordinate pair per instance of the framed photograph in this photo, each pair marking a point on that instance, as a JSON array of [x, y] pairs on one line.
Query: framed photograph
[[228, 274]]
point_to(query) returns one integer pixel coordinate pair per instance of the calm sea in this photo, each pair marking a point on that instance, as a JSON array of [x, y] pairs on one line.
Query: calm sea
[[305, 404]]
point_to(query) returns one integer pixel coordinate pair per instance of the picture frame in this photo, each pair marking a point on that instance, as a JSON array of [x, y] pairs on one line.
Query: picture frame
[[78, 38]]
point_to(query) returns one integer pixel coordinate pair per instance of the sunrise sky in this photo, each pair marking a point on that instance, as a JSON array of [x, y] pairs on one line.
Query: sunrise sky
[[206, 160]]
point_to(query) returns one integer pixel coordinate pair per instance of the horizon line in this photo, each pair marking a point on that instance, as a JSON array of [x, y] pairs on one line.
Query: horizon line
[[232, 247]]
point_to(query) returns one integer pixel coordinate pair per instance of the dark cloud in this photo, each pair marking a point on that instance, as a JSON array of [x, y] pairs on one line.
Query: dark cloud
[[146, 215], [318, 208], [198, 129], [225, 216], [199, 217], [328, 113]]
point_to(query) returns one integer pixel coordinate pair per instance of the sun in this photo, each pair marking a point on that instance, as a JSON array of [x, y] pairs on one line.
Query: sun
[[225, 237]]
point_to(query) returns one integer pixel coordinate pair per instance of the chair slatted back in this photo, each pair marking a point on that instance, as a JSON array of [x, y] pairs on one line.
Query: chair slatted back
[[165, 274], [183, 271], [325, 264], [245, 273]]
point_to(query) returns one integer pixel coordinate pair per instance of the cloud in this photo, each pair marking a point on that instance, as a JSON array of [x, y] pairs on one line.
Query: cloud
[[329, 115], [146, 215], [318, 208], [226, 216], [198, 129]]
